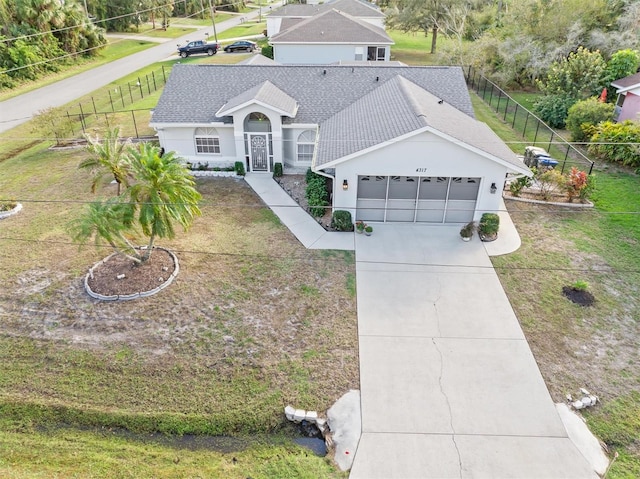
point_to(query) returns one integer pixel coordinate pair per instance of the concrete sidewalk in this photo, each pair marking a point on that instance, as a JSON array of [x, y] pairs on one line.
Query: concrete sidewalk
[[449, 387], [299, 222]]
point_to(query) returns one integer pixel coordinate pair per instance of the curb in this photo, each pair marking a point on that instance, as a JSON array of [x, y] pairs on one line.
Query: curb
[[127, 297]]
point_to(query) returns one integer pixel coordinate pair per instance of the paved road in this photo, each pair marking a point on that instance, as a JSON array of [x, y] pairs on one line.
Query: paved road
[[449, 387], [20, 109]]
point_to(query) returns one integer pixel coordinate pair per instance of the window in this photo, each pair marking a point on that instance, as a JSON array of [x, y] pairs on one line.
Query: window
[[376, 54], [306, 145], [207, 141]]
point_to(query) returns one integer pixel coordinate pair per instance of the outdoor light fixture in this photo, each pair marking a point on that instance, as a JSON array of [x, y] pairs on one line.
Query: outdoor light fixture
[[494, 188], [345, 185]]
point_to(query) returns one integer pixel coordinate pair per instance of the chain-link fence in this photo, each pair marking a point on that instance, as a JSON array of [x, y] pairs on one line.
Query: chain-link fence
[[533, 129]]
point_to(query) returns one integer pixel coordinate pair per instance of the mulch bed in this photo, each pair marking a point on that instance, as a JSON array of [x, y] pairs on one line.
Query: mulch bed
[[578, 296], [138, 277]]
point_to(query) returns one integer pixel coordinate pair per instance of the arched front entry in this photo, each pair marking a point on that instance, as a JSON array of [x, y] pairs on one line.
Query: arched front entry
[[258, 142]]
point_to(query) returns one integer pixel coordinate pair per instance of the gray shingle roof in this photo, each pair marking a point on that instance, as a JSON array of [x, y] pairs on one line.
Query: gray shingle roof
[[396, 108], [355, 8], [332, 26], [194, 93], [258, 60], [627, 82], [267, 94]]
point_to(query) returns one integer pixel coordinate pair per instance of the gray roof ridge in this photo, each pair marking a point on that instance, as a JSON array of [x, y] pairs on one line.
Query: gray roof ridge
[[261, 92], [310, 20]]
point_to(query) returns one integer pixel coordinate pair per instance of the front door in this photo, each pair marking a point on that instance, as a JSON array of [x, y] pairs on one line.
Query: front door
[[258, 152]]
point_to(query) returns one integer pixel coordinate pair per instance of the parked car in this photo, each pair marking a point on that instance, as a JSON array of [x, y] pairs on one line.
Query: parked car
[[199, 46], [535, 156], [240, 46]]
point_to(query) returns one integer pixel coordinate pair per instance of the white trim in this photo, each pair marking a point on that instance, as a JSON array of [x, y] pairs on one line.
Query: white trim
[[381, 43], [213, 124], [223, 112], [427, 129]]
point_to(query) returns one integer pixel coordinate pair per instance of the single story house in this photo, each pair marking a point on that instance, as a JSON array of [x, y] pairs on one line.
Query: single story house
[[398, 143], [330, 37], [628, 102], [288, 15]]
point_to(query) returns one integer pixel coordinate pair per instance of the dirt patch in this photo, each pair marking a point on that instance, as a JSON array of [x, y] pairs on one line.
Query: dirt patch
[[578, 296], [120, 275]]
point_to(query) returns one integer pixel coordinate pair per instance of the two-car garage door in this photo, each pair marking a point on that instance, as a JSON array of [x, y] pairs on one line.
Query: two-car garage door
[[429, 199]]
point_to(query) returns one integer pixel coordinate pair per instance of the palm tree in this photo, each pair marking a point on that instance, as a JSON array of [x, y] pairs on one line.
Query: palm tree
[[163, 193], [108, 221], [108, 159]]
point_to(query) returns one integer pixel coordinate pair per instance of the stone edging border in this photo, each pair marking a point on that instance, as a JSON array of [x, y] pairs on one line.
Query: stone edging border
[[126, 297], [588, 204], [15, 210], [224, 174]]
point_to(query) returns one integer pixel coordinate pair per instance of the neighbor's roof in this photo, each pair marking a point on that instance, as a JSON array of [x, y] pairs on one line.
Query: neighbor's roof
[[194, 93], [258, 60], [627, 83], [397, 108], [355, 8], [332, 26], [266, 94]]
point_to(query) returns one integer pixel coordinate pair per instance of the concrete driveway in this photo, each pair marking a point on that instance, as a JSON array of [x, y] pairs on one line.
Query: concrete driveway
[[449, 387]]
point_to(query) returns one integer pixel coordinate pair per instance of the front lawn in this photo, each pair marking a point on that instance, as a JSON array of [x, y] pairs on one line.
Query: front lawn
[[253, 322]]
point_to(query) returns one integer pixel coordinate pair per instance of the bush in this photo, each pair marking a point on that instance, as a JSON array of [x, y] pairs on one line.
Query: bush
[[550, 182], [316, 193], [239, 168], [617, 142], [489, 224], [553, 109], [267, 50], [518, 184], [341, 221], [576, 182], [588, 190], [585, 114], [277, 170]]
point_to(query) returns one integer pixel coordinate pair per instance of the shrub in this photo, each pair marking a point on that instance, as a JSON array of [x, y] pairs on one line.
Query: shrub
[[277, 170], [518, 184], [489, 224], [316, 193], [617, 142], [267, 51], [588, 190], [576, 182], [580, 285], [585, 114], [309, 175], [341, 221], [239, 168], [550, 181], [468, 229], [553, 109]]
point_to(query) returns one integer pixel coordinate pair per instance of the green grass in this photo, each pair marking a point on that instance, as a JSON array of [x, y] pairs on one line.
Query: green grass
[[577, 346], [243, 30], [414, 48], [69, 453]]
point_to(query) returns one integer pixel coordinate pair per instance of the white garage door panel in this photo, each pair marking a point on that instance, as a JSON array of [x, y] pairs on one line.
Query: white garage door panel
[[370, 210], [430, 211], [411, 199]]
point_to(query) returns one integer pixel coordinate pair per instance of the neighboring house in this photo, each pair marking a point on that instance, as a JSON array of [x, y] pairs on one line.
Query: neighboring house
[[399, 143], [286, 16], [330, 37], [628, 102]]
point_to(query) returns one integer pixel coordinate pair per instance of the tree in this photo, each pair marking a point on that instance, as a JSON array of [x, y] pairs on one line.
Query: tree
[[621, 64], [162, 192], [585, 114], [108, 160], [574, 78], [421, 15]]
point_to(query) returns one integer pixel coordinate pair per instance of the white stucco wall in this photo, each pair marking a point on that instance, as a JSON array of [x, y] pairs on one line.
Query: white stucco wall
[[423, 155], [182, 141], [319, 54]]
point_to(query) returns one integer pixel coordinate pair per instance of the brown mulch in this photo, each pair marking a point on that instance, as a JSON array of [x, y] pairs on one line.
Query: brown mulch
[[138, 278]]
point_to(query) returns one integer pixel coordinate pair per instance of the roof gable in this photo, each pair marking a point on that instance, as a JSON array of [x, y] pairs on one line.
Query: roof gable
[[332, 26], [396, 109], [355, 8], [266, 94]]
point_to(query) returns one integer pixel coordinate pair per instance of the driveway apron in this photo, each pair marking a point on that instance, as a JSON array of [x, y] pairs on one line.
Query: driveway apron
[[449, 386]]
